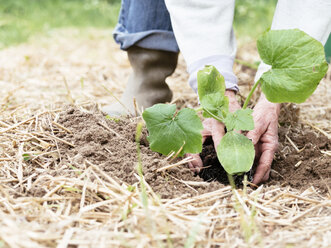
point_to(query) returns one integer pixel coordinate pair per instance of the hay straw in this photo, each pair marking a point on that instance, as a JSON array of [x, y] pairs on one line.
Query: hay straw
[[181, 162], [43, 204], [318, 129]]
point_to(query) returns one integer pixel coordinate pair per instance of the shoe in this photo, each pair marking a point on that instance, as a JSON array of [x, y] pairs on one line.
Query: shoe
[[147, 82]]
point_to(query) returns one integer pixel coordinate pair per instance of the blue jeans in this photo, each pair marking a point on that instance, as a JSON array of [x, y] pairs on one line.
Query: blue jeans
[[145, 23]]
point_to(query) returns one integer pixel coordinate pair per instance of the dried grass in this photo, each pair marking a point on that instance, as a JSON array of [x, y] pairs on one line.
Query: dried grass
[[43, 204]]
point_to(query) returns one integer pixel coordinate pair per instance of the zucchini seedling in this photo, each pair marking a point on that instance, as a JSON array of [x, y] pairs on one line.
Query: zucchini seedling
[[297, 64]]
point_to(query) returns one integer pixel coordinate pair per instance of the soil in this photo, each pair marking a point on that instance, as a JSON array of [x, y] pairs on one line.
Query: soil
[[95, 140], [309, 166], [117, 155], [212, 168]]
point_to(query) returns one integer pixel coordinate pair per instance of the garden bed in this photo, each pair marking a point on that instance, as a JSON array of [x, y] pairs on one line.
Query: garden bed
[[110, 144]]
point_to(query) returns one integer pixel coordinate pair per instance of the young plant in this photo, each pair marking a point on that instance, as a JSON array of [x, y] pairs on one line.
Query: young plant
[[297, 64]]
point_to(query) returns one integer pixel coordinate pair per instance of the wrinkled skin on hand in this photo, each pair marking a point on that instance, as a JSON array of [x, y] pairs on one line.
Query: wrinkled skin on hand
[[264, 136]]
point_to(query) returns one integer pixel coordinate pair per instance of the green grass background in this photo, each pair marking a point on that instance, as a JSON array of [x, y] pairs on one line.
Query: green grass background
[[22, 19]]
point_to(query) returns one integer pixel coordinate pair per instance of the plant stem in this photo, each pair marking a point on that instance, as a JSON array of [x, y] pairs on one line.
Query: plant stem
[[214, 116], [245, 184], [144, 196], [231, 180], [250, 94], [198, 109], [140, 167]]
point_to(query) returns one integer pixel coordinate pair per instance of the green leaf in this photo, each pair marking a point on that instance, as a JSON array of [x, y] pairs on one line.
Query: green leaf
[[236, 153], [211, 89], [26, 156], [242, 119], [298, 65], [131, 188], [169, 131]]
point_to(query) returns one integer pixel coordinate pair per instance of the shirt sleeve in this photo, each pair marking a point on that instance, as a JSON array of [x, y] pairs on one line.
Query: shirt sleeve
[[203, 30], [310, 16]]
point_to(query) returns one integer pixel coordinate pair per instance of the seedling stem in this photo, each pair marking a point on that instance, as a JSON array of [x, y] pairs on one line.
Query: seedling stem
[[250, 94]]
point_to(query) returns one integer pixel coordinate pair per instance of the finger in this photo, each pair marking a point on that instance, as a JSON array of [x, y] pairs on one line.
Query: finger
[[258, 150], [263, 168], [207, 129], [196, 164], [266, 176], [204, 137], [217, 132], [257, 132]]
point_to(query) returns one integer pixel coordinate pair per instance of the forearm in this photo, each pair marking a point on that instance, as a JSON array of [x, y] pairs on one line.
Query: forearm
[[204, 33]]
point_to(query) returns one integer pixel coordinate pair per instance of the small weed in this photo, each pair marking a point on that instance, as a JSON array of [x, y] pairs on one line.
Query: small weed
[[26, 157], [131, 188], [82, 83], [128, 210], [71, 189], [190, 241], [144, 196], [116, 120], [78, 171]]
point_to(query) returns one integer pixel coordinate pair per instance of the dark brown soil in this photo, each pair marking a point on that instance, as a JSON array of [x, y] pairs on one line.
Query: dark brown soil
[[213, 170], [309, 166], [94, 139], [117, 155]]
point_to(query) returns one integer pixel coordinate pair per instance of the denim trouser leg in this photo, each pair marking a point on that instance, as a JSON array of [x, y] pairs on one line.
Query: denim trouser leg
[[145, 23]]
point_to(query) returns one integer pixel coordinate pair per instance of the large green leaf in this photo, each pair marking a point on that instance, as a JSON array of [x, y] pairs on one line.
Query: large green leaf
[[297, 65], [236, 153], [211, 89], [242, 119], [169, 131]]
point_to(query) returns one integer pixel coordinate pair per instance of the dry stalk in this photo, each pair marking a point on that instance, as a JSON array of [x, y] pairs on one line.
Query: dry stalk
[[44, 203], [167, 167]]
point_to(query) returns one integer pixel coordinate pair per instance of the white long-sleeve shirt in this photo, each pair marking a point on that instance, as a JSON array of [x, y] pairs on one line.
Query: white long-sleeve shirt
[[203, 30]]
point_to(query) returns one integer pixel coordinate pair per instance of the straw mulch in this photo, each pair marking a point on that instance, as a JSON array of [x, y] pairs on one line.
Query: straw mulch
[[44, 204]]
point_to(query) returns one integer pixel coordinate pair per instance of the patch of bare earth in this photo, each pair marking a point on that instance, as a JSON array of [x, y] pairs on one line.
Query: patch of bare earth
[[110, 144], [68, 175]]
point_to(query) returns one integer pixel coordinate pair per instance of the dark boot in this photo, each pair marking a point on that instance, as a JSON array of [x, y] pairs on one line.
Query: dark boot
[[147, 82]]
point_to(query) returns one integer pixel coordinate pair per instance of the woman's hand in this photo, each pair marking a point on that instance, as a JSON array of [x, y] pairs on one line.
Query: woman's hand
[[264, 136]]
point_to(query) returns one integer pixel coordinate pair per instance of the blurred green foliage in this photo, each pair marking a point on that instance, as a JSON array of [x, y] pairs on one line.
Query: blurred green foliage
[[253, 17], [20, 19]]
